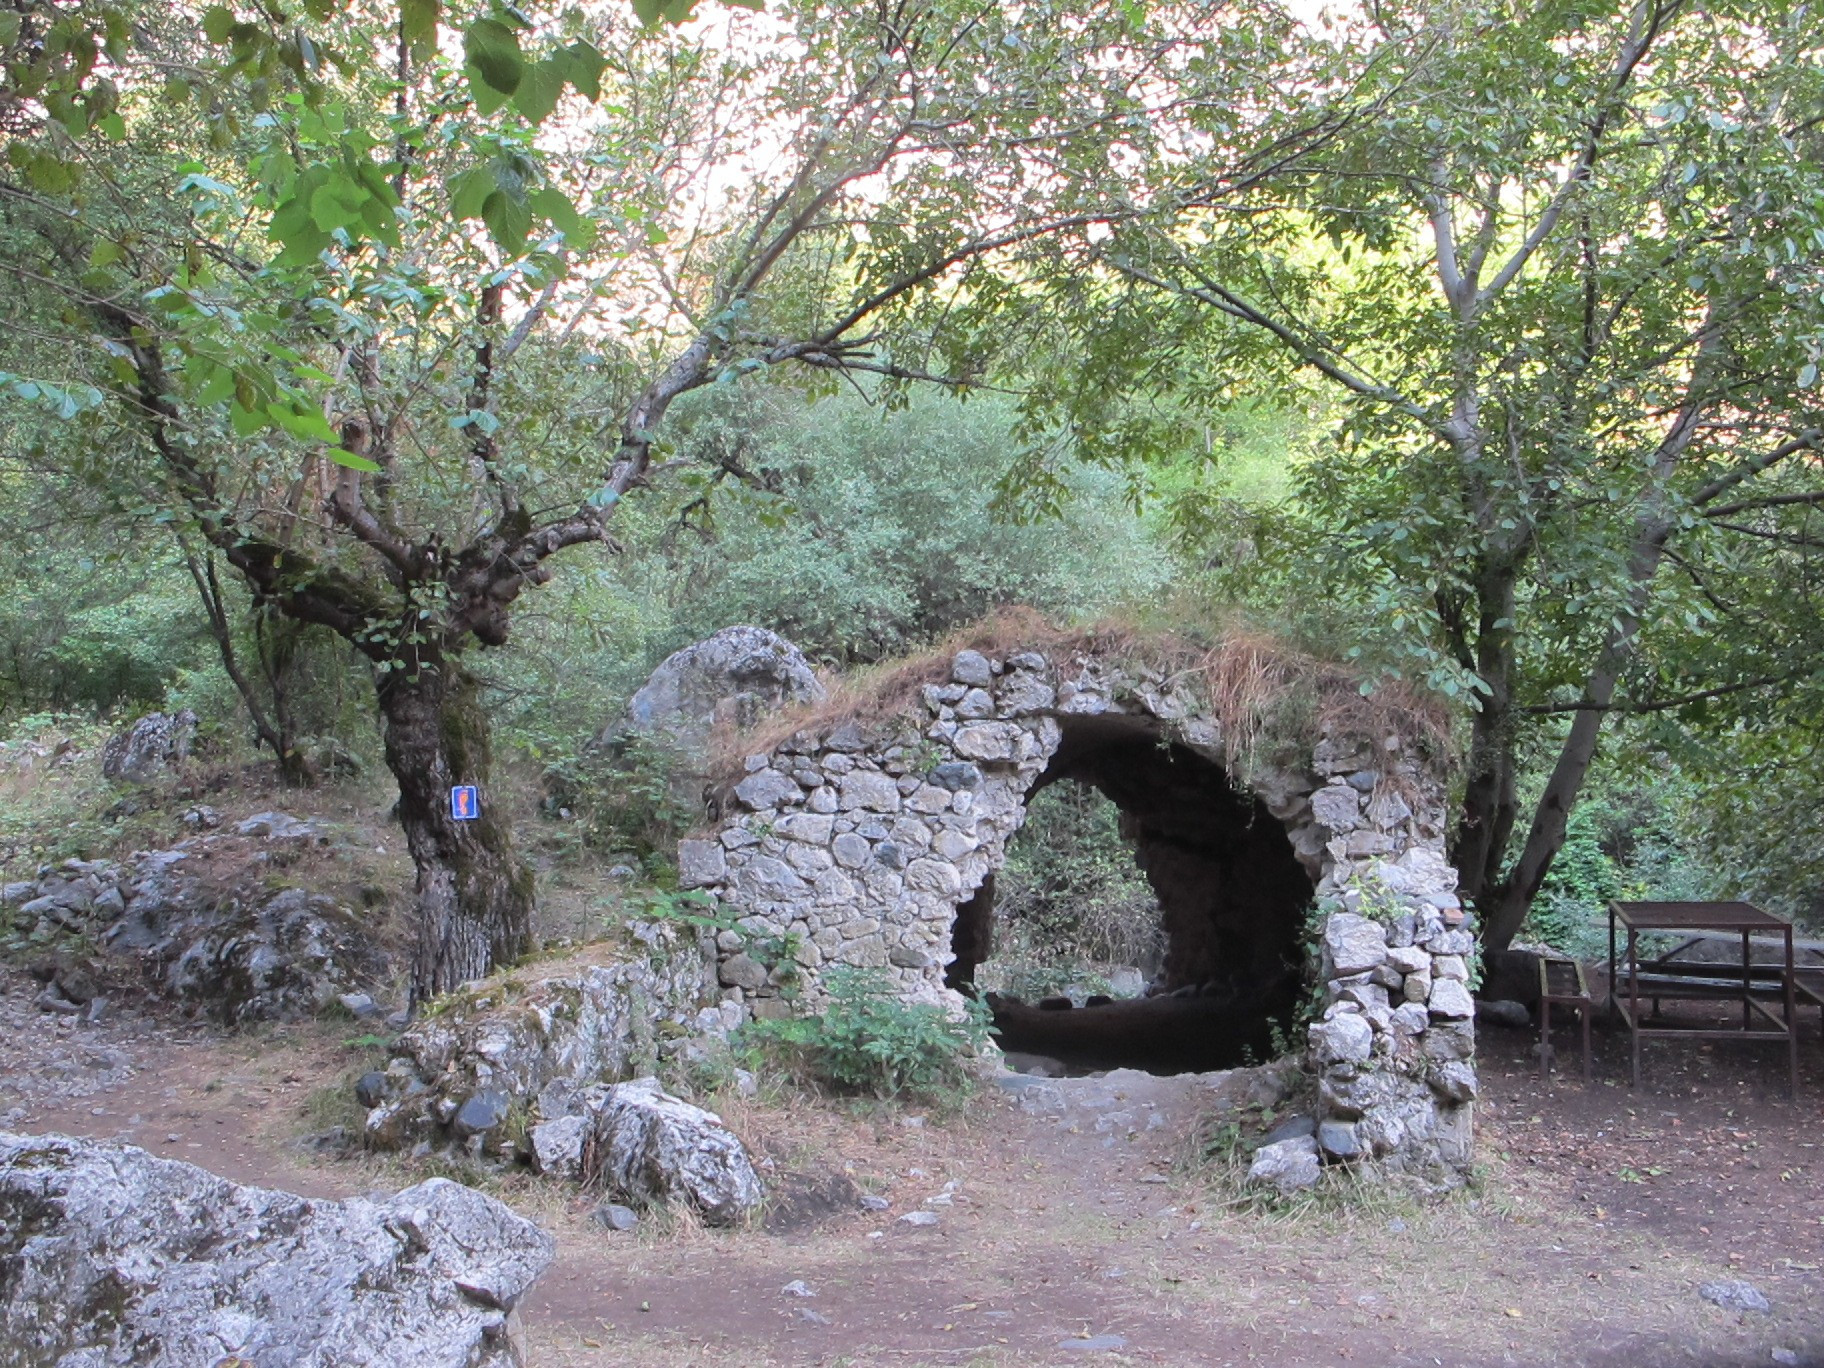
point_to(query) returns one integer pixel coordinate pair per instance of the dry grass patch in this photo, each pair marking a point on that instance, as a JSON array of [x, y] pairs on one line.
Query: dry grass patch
[[1262, 693]]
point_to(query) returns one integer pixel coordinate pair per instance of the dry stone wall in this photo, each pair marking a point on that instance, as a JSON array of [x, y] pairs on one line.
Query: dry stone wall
[[855, 844]]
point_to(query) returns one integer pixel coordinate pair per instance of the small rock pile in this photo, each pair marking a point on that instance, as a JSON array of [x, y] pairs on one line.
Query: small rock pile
[[114, 1255]]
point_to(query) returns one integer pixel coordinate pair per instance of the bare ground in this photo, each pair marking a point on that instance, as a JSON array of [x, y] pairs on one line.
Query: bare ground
[[1598, 1214]]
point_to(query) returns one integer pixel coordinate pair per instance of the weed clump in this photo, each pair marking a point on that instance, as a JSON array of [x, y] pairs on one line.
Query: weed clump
[[870, 1042]]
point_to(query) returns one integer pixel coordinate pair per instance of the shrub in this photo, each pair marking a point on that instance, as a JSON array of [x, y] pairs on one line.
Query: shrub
[[870, 1041]]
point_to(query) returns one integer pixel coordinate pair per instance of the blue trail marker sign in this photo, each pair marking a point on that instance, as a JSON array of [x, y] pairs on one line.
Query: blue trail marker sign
[[465, 803]]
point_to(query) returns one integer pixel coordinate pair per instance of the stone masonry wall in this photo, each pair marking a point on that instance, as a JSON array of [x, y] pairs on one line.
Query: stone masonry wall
[[856, 844]]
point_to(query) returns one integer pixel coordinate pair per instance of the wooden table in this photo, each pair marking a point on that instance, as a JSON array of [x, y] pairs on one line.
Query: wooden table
[[1709, 982]]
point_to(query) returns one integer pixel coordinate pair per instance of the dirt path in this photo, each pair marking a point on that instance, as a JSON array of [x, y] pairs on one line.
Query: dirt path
[[1081, 1234]]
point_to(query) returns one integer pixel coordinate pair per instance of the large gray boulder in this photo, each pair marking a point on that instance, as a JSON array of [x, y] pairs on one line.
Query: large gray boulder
[[735, 677], [654, 1148], [113, 1256], [151, 748]]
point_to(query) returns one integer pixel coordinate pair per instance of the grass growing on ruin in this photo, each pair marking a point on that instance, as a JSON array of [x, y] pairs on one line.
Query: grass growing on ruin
[[870, 1042], [1263, 693]]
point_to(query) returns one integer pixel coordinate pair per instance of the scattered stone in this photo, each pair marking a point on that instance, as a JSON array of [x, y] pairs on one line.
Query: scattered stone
[[1354, 943], [426, 1279], [360, 1005], [744, 972], [919, 1218], [371, 1088], [557, 1146], [872, 1203], [737, 676], [1450, 1000], [1732, 1294], [1504, 1012], [1288, 1165], [614, 1216], [481, 1113], [278, 826], [956, 775], [1103, 1344], [972, 668], [1290, 1129], [1343, 1039], [797, 1287], [701, 864], [1339, 1140], [656, 1148]]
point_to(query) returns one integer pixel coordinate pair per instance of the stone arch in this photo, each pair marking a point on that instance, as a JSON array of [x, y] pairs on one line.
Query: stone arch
[[853, 842]]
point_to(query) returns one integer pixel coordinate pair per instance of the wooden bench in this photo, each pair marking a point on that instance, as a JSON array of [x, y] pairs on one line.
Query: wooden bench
[[1562, 984], [1665, 978]]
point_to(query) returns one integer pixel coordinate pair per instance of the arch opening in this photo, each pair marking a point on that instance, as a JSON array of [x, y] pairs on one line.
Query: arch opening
[[1232, 903]]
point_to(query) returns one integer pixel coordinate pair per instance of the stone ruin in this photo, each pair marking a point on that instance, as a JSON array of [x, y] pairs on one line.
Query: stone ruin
[[873, 843]]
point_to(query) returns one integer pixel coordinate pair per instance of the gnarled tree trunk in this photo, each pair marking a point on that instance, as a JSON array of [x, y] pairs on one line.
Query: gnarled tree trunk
[[475, 898]]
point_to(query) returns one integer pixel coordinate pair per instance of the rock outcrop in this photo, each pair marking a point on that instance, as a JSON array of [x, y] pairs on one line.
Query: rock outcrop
[[151, 748], [198, 923], [115, 1256]]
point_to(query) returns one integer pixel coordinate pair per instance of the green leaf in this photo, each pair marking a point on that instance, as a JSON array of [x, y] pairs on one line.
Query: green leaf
[[245, 422], [555, 205], [469, 190], [336, 204], [487, 99], [300, 420], [218, 386], [104, 253], [347, 458], [418, 20], [540, 85], [492, 50], [509, 220], [584, 68], [652, 12], [218, 22]]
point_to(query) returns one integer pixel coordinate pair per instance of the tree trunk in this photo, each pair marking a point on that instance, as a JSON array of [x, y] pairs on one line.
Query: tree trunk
[[475, 897], [1486, 820], [1505, 906]]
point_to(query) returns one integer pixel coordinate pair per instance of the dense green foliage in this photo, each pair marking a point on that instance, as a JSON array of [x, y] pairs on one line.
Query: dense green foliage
[[1070, 903]]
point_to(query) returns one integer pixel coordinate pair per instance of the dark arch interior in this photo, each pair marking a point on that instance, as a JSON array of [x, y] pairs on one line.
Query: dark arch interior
[[1232, 896]]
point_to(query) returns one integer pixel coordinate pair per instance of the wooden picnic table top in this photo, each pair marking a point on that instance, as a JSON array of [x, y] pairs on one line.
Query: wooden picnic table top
[[1696, 916]]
